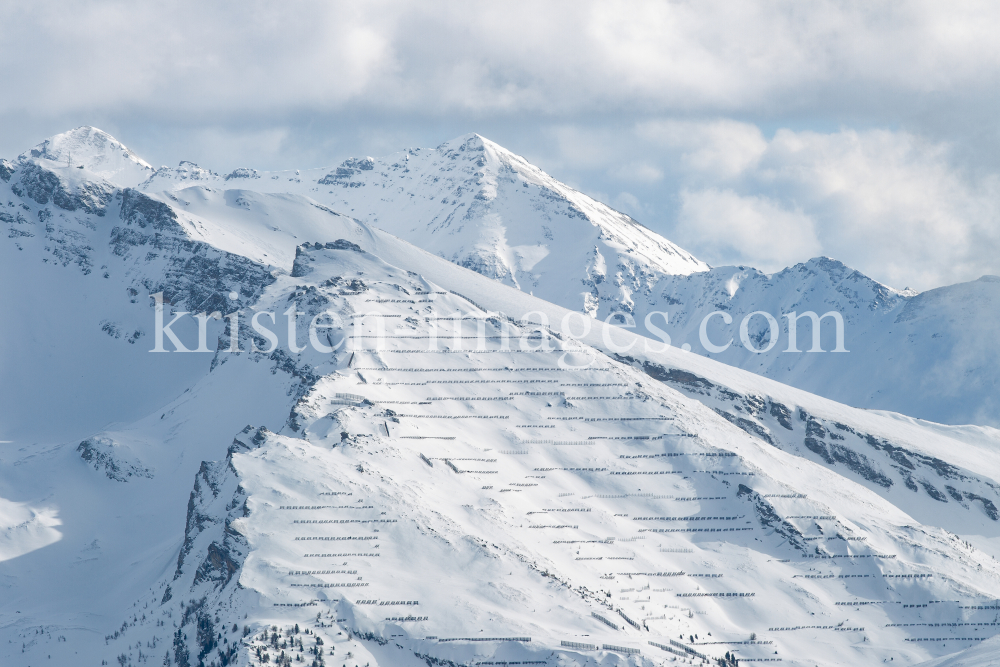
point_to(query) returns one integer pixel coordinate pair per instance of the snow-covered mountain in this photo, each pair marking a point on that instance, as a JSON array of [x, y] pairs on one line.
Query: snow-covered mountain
[[476, 204], [92, 150], [929, 355], [450, 484], [481, 206]]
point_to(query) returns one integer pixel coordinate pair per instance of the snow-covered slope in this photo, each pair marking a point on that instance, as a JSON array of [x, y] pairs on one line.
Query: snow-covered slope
[[472, 482], [983, 655], [478, 205], [929, 355]]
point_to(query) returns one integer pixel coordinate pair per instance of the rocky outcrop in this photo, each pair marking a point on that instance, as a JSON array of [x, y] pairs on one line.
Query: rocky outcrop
[[112, 458], [301, 268], [242, 172], [212, 555], [874, 459], [44, 185], [6, 170], [213, 551], [769, 517], [342, 175], [197, 275]]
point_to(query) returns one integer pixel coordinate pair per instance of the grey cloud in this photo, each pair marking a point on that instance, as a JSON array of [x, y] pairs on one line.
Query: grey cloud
[[673, 111], [557, 57]]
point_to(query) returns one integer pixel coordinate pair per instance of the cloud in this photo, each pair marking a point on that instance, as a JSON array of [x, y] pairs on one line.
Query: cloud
[[862, 130], [626, 202], [901, 207], [641, 172], [522, 56], [719, 148], [890, 203], [723, 227]]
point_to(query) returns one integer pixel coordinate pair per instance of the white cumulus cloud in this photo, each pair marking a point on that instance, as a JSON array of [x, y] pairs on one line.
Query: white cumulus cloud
[[723, 227]]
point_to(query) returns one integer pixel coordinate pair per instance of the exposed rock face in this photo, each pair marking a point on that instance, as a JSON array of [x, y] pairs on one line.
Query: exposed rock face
[[769, 517], [211, 557], [195, 274], [342, 175], [242, 172], [6, 170], [115, 460], [873, 459], [43, 186], [213, 550]]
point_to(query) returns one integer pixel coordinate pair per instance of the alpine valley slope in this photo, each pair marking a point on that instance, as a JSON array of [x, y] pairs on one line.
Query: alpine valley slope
[[646, 505], [471, 201]]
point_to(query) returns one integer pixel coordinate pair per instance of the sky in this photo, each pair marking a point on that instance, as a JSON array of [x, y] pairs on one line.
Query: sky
[[754, 133]]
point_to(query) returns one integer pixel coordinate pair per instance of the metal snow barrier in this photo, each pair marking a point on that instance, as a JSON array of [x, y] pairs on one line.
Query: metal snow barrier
[[629, 620], [668, 649], [578, 646], [688, 649], [620, 649], [486, 639], [347, 399], [472, 302], [605, 621]]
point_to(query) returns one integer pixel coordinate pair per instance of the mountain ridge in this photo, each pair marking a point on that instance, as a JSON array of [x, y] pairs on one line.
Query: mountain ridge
[[482, 207], [615, 281], [838, 509]]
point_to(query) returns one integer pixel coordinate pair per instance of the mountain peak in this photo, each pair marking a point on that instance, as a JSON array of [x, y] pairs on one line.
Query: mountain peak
[[471, 141], [488, 155], [96, 151], [486, 208], [838, 271]]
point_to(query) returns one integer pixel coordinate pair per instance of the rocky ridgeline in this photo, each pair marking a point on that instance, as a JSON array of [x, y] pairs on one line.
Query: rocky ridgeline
[[145, 237]]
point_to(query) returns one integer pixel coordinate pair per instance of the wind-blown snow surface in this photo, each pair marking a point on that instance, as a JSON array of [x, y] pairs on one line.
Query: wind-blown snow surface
[[481, 206], [416, 507]]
